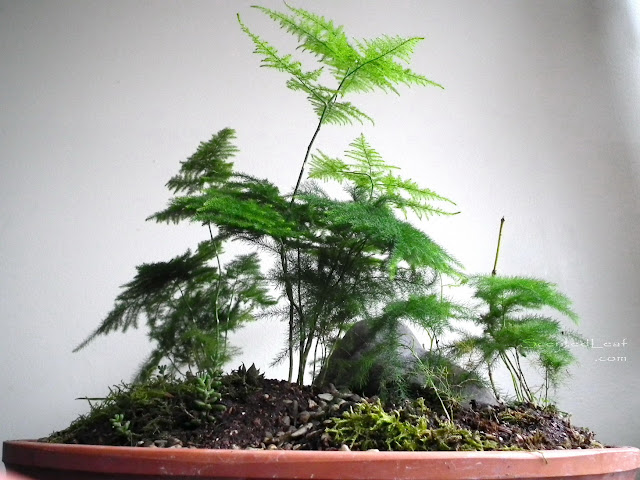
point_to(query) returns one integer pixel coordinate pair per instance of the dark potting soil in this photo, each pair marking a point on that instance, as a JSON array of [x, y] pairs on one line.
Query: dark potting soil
[[272, 414]]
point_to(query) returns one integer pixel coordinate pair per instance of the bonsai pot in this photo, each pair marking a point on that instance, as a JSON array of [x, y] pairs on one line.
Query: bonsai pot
[[82, 462]]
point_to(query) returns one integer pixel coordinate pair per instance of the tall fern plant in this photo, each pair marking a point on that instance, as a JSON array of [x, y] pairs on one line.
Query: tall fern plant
[[345, 263], [192, 302], [344, 268], [517, 330]]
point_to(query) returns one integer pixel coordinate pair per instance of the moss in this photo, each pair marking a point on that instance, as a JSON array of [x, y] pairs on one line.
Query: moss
[[413, 427], [152, 408]]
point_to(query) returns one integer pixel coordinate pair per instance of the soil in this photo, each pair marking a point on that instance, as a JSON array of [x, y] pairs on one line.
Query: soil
[[272, 414]]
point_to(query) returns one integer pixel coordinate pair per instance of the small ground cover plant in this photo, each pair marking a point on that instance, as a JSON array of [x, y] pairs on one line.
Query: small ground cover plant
[[337, 261]]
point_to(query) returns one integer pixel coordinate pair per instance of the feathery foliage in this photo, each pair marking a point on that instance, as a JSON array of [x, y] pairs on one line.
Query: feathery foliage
[[346, 259], [512, 330], [337, 261], [356, 66], [371, 176], [191, 303]]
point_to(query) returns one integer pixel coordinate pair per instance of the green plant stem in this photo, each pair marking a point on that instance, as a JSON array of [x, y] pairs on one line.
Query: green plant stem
[[306, 156], [514, 379], [302, 334], [493, 384], [304, 351], [217, 295], [293, 306], [429, 375], [327, 105], [523, 377], [494, 273], [495, 263]]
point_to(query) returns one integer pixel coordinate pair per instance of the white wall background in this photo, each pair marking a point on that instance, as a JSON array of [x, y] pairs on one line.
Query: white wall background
[[99, 101]]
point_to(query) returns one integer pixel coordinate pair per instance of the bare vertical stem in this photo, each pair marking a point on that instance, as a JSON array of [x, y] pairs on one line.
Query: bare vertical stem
[[495, 263]]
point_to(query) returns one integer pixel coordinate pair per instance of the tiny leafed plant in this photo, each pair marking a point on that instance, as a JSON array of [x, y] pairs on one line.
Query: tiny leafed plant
[[336, 262]]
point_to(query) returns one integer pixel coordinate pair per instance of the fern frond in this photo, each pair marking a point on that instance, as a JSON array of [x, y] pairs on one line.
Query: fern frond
[[323, 167], [318, 36], [369, 65], [230, 210], [284, 63], [370, 173], [400, 240], [179, 209], [154, 284], [208, 165], [513, 294], [414, 247], [377, 68], [340, 113], [425, 311]]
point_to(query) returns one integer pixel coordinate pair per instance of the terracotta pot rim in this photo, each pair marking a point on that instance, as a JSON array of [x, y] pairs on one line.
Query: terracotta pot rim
[[308, 464]]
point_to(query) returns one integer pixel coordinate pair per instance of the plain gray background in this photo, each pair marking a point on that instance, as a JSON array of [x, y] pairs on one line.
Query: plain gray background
[[99, 101]]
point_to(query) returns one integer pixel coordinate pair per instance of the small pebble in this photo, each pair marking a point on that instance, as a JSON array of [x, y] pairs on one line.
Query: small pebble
[[327, 397], [174, 441], [300, 432], [313, 433], [344, 448], [355, 397], [304, 417]]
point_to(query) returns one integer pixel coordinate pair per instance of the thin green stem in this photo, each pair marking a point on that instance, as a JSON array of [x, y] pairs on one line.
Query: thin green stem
[[495, 262]]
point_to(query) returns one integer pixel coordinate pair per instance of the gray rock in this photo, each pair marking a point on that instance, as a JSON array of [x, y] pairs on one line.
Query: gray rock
[[363, 341], [304, 417], [300, 432], [285, 421]]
